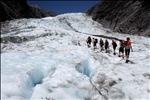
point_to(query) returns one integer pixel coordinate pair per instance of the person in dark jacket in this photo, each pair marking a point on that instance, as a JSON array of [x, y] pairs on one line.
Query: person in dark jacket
[[106, 45], [121, 48], [114, 44], [89, 40], [101, 43]]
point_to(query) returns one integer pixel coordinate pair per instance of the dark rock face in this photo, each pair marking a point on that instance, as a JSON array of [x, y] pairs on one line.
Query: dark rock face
[[14, 9], [41, 12], [127, 17]]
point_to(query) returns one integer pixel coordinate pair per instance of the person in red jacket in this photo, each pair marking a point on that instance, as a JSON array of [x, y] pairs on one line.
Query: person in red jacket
[[128, 46], [94, 43]]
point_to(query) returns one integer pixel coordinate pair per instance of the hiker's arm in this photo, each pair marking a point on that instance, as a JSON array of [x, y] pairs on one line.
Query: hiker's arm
[[131, 48]]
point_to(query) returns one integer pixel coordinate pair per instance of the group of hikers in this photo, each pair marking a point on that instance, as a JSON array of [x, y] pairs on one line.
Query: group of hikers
[[124, 46]]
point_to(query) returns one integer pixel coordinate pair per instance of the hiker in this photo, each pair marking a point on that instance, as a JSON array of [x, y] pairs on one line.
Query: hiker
[[94, 43], [89, 40], [114, 44], [121, 48], [101, 43], [106, 45], [127, 44]]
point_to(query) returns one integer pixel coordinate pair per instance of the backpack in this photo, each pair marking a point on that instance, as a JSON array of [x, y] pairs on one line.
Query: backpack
[[122, 44], [115, 44], [89, 39], [96, 40], [106, 43], [127, 43], [101, 42]]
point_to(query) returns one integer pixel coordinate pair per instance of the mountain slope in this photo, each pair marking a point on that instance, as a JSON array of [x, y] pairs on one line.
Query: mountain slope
[[127, 17], [16, 9]]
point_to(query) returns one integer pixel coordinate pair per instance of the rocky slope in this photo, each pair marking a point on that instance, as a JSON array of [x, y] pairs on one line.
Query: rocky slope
[[127, 17], [15, 9]]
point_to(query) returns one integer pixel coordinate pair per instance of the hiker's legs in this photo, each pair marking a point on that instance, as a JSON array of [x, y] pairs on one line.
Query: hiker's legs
[[127, 52], [95, 46], [119, 51], [101, 48], [123, 52], [127, 57], [88, 44], [106, 49], [114, 50]]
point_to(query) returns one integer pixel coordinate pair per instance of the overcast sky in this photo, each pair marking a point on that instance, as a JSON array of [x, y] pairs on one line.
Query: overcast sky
[[61, 7]]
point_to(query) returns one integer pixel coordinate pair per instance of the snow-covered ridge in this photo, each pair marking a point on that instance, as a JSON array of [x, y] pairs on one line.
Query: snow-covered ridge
[[54, 63], [28, 29]]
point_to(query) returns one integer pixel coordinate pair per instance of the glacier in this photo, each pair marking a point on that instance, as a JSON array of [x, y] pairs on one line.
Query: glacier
[[48, 59]]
